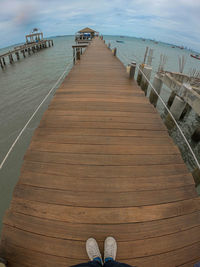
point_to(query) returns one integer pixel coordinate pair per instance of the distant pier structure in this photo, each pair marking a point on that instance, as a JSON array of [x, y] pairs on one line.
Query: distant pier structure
[[35, 36], [34, 42], [85, 35]]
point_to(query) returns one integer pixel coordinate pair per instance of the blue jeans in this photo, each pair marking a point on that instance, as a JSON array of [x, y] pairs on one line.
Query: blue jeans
[[106, 264]]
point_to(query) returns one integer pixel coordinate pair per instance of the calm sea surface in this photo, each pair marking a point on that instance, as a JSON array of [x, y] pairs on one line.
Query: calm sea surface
[[24, 84]]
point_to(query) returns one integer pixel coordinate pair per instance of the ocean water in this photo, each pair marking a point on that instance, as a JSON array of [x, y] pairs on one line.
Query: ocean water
[[24, 84]]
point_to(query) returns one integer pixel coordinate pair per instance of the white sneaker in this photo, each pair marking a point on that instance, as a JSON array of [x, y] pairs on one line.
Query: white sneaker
[[92, 249], [110, 248]]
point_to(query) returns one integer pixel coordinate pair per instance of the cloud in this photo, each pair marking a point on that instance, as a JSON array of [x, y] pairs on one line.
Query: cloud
[[158, 19]]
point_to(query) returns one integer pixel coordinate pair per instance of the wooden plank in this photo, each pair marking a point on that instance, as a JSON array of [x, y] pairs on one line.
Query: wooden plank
[[99, 106], [63, 100], [105, 216], [132, 249], [92, 118], [89, 171], [105, 115], [103, 184], [103, 199], [30, 258], [56, 121], [125, 232], [191, 263], [170, 259], [104, 149], [106, 159], [102, 163], [103, 132], [103, 140]]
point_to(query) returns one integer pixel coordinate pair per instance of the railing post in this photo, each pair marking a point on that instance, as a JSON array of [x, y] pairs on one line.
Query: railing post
[[145, 80], [139, 77], [114, 51], [78, 54], [157, 84], [132, 70]]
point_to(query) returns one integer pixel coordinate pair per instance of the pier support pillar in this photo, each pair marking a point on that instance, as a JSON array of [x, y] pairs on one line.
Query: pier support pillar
[[3, 60], [157, 84], [186, 111], [1, 64], [171, 99], [145, 80], [23, 52], [196, 135], [176, 109], [196, 176], [139, 77], [17, 55], [132, 70], [11, 58]]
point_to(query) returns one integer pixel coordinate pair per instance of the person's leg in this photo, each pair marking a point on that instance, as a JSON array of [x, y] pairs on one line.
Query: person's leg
[[94, 255], [93, 263], [112, 263], [110, 252]]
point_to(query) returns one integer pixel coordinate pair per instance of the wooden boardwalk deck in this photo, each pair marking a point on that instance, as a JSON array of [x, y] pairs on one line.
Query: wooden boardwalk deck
[[101, 163]]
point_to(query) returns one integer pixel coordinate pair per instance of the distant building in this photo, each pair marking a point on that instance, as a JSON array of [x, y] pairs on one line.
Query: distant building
[[35, 36], [85, 35]]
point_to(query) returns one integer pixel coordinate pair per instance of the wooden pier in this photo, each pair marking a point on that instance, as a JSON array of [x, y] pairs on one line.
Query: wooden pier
[[102, 163], [24, 50]]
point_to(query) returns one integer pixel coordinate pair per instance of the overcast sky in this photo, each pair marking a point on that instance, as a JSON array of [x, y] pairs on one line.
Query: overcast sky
[[172, 21]]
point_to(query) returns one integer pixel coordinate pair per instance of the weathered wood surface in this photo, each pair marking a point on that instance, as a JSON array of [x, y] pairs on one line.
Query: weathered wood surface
[[101, 163]]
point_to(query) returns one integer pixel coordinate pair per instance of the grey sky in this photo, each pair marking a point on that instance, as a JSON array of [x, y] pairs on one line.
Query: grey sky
[[173, 21]]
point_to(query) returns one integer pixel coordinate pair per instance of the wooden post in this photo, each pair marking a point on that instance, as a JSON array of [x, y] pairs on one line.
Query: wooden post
[[109, 45], [132, 70], [157, 84], [145, 81], [139, 77], [29, 51], [196, 135], [74, 58], [52, 43], [78, 54], [114, 51]]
